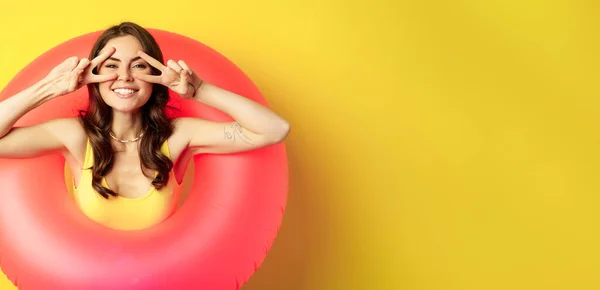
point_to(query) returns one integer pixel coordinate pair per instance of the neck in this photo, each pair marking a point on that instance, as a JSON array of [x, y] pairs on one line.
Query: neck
[[126, 126]]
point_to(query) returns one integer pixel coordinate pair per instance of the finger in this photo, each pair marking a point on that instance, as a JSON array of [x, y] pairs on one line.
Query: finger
[[83, 63], [74, 80], [185, 82], [150, 60], [72, 62], [102, 57], [101, 78], [148, 78], [174, 66], [185, 66], [184, 78], [76, 74]]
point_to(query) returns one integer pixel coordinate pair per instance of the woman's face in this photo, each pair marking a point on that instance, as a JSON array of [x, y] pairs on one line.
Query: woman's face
[[126, 93]]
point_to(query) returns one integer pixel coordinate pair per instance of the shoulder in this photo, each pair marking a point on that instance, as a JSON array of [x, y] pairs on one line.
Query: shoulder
[[184, 123], [67, 129], [185, 129], [179, 141], [71, 133], [73, 123]]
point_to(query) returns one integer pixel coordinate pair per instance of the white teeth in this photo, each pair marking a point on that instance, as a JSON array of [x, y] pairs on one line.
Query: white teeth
[[124, 91]]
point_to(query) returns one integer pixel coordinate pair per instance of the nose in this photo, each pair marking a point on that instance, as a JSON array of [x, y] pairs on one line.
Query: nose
[[125, 74]]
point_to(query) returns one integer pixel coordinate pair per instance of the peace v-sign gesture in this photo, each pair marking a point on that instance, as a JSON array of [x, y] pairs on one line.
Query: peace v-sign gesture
[[74, 73], [176, 76]]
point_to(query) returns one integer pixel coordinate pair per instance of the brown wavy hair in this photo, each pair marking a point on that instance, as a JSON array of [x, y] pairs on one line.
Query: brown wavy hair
[[97, 119]]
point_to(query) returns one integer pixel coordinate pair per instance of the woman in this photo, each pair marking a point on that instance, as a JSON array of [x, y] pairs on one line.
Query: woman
[[126, 156]]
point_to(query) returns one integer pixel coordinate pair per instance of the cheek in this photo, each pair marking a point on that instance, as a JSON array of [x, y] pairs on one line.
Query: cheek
[[145, 87], [105, 87]]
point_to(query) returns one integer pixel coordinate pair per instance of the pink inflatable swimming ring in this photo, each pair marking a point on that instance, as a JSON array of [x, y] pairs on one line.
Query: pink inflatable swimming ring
[[215, 241]]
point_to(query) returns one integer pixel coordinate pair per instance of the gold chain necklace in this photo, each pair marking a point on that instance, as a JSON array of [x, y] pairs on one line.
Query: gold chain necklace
[[125, 141]]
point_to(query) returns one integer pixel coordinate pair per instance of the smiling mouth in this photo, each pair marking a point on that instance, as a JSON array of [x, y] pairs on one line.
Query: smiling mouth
[[125, 93]]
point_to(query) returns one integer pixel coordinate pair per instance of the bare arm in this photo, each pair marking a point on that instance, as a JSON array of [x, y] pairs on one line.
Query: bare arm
[[31, 141], [41, 139], [255, 125], [35, 140], [13, 108]]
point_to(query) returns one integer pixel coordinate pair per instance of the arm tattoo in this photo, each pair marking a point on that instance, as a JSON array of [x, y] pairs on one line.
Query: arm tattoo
[[235, 131]]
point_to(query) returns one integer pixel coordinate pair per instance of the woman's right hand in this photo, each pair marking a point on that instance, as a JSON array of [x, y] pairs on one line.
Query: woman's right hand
[[74, 73]]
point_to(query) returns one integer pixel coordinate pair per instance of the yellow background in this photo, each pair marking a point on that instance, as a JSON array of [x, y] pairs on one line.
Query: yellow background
[[435, 146]]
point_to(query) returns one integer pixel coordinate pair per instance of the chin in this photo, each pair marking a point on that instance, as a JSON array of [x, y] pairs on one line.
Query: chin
[[125, 109]]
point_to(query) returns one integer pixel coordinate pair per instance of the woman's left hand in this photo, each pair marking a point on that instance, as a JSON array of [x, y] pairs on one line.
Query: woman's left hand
[[176, 76]]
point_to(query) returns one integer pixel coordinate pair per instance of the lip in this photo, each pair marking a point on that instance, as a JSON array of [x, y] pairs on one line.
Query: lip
[[126, 96]]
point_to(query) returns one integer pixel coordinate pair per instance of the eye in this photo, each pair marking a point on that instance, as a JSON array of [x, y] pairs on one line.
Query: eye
[[140, 66], [110, 66]]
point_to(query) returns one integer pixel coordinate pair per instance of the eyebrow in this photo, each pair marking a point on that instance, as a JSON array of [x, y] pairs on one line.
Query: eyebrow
[[132, 60]]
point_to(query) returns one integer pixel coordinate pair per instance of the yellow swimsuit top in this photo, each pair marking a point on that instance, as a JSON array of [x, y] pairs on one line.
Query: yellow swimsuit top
[[125, 213]]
